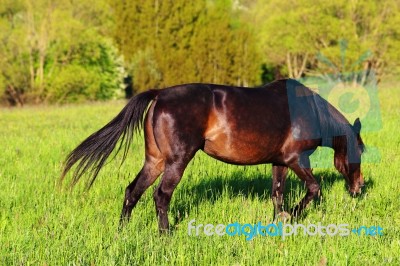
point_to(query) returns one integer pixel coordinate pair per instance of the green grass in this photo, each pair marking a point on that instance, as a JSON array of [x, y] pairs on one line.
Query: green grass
[[43, 225]]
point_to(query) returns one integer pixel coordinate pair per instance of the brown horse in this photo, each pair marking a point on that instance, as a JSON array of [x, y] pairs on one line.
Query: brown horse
[[280, 123]]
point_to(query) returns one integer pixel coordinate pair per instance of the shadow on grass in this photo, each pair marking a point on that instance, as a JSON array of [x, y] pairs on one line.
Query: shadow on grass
[[259, 186]]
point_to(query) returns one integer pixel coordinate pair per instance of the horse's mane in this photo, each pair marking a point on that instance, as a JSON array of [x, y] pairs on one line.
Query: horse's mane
[[326, 121]]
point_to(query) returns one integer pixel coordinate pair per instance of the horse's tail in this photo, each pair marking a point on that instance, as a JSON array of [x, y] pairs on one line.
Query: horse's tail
[[93, 152]]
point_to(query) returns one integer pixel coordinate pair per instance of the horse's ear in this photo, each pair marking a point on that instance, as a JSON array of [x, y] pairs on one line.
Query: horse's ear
[[357, 126]]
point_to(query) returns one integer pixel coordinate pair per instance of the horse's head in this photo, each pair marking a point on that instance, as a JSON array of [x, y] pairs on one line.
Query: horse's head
[[348, 151], [355, 176]]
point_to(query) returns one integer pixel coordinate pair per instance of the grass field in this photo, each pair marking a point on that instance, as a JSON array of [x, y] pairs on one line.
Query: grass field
[[43, 225]]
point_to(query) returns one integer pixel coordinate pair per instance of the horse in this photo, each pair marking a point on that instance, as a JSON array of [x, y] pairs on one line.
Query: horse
[[281, 123]]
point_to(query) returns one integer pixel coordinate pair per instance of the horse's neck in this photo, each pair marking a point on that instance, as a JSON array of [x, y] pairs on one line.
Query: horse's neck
[[339, 144], [347, 146]]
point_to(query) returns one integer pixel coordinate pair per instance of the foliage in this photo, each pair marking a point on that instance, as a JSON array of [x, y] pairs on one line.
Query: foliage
[[295, 32], [94, 72], [66, 51], [172, 42], [56, 52]]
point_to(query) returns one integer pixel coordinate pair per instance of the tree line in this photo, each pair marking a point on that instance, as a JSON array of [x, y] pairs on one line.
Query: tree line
[[77, 50]]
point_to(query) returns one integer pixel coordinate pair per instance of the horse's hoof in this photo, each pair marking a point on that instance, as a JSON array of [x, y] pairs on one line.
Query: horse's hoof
[[283, 217]]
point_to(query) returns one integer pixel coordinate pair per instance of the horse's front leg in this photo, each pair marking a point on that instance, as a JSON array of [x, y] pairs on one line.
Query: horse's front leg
[[301, 167]]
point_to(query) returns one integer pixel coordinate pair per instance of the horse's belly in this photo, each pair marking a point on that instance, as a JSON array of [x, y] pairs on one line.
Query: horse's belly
[[236, 152]]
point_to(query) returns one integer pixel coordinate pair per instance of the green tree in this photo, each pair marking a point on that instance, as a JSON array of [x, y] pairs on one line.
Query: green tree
[[13, 60], [172, 42], [57, 51], [293, 33]]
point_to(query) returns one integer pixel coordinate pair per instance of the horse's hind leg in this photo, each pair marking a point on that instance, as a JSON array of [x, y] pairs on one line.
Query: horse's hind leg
[[145, 178], [162, 195], [279, 174], [301, 166]]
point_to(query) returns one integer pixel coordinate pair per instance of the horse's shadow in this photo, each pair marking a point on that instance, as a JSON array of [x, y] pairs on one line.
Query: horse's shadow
[[212, 190]]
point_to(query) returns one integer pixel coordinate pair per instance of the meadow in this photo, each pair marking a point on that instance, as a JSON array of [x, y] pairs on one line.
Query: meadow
[[44, 224]]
